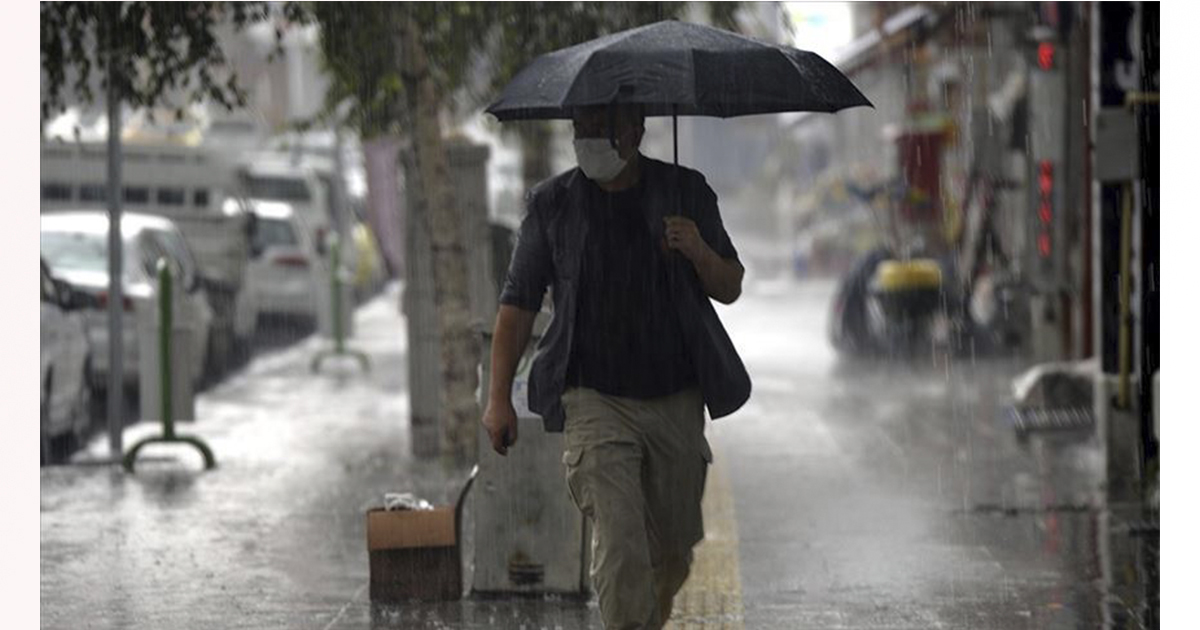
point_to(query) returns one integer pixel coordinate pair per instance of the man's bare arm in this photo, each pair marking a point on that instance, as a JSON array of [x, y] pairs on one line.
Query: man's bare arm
[[720, 277], [514, 326]]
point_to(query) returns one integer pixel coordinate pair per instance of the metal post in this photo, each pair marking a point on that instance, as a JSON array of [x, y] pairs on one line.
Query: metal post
[[164, 347], [342, 212], [166, 299], [1125, 323], [116, 337], [339, 333]]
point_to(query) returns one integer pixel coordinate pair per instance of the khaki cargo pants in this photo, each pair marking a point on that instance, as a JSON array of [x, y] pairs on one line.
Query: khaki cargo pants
[[636, 470]]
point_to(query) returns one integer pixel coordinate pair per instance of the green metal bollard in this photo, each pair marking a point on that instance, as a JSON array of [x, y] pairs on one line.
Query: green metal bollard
[[166, 323], [339, 332]]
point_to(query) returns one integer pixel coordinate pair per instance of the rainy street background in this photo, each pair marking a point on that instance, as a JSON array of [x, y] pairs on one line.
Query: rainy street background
[[950, 317]]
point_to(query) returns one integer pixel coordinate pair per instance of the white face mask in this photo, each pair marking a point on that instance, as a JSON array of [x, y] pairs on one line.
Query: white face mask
[[598, 159]]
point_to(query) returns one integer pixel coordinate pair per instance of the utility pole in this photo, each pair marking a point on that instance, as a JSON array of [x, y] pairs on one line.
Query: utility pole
[[116, 337]]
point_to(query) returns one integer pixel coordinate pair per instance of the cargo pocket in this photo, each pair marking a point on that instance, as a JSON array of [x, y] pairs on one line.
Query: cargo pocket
[[707, 456], [571, 457], [695, 523]]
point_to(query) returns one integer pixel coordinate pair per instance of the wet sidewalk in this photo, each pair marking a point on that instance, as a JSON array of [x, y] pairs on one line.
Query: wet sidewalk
[[274, 537]]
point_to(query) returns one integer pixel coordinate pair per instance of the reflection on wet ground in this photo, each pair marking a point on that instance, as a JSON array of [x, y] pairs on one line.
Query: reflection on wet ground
[[907, 501]]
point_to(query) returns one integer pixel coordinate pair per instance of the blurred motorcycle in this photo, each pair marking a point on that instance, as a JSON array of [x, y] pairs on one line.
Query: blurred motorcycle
[[901, 299], [892, 305]]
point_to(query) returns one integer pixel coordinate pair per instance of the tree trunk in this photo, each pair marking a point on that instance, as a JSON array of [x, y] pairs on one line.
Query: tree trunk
[[458, 349]]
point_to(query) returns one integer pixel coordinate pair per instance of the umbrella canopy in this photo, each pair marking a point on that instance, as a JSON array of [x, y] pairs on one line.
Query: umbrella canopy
[[677, 68]]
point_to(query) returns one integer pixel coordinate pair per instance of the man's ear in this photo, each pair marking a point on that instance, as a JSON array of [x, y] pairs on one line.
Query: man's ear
[[636, 138], [639, 132]]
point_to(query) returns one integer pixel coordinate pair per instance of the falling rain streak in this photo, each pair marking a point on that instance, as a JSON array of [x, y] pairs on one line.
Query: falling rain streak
[[916, 324]]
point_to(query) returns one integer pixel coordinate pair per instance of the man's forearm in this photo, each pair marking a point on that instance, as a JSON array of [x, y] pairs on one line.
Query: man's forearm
[[720, 277], [509, 338]]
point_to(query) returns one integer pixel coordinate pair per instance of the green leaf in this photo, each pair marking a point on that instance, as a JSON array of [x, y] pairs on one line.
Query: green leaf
[[155, 48]]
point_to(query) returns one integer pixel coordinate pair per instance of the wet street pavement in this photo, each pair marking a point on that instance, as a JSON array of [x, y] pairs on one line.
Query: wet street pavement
[[845, 495], [878, 495]]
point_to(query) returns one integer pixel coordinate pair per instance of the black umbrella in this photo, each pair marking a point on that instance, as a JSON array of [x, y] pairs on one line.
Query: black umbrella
[[677, 68]]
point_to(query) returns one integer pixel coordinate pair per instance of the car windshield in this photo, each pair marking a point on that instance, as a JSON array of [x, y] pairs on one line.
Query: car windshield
[[176, 249], [277, 188], [75, 251]]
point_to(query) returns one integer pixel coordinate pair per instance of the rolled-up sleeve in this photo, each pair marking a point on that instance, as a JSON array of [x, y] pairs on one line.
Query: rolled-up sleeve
[[531, 267], [708, 220]]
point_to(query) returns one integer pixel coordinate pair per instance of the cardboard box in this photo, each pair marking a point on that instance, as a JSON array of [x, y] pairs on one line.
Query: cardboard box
[[416, 554]]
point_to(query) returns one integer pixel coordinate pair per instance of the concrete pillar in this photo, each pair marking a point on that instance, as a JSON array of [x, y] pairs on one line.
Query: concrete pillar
[[529, 537]]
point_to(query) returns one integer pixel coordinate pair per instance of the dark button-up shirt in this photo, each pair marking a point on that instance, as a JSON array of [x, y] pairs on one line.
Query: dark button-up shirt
[[549, 253]]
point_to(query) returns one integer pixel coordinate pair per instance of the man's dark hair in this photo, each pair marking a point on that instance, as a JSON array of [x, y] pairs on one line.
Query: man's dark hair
[[633, 112]]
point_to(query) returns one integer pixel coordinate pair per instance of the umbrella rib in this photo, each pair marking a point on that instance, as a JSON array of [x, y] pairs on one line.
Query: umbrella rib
[[695, 80], [616, 37], [571, 88], [829, 107]]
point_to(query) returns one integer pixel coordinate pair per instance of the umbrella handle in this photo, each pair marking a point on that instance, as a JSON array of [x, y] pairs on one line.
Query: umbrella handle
[[675, 144], [675, 131]]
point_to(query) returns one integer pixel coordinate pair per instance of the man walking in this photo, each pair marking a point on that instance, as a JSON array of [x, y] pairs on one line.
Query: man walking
[[632, 249]]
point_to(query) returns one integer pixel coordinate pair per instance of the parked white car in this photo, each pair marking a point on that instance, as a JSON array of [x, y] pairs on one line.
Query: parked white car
[[283, 270], [194, 187], [306, 184], [75, 247], [66, 394], [273, 177]]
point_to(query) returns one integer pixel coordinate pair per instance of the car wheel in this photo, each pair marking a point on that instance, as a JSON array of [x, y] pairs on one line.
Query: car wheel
[[54, 449], [45, 434], [203, 373], [245, 350], [81, 415]]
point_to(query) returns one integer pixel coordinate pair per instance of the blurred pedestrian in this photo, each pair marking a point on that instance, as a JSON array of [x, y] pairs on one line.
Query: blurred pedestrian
[[632, 248]]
